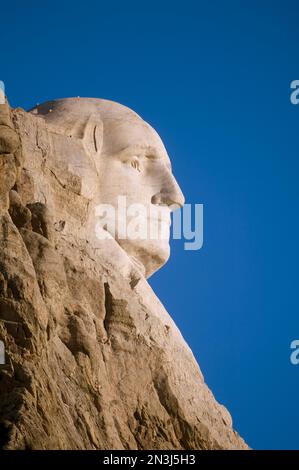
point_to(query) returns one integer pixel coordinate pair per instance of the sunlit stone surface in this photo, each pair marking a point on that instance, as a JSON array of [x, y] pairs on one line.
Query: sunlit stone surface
[[93, 360]]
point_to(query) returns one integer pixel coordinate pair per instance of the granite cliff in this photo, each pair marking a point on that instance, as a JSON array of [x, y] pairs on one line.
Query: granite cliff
[[93, 360]]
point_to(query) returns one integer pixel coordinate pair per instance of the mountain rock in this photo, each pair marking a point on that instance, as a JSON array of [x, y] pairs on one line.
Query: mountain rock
[[93, 359]]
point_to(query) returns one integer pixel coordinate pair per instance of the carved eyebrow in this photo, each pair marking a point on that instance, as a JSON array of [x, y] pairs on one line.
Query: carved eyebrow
[[146, 150]]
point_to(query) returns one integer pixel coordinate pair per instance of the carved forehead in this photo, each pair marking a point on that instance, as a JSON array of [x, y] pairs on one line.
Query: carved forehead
[[122, 127], [120, 134]]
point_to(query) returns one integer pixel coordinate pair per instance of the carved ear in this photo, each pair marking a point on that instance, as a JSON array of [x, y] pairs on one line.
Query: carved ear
[[90, 131]]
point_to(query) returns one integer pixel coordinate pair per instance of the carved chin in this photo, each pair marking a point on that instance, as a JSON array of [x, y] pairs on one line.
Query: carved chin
[[151, 255]]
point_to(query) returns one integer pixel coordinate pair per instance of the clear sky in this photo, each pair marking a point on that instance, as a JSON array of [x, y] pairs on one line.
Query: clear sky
[[213, 78]]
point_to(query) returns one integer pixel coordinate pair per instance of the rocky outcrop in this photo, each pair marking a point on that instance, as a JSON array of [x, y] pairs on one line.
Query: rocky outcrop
[[93, 360]]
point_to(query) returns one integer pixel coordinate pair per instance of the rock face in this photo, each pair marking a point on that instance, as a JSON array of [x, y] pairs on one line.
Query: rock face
[[93, 360]]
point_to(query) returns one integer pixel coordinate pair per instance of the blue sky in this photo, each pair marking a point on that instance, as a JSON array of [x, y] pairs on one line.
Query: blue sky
[[214, 79]]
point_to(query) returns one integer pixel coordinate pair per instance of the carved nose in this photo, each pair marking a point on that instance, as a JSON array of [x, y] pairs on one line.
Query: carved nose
[[169, 195]]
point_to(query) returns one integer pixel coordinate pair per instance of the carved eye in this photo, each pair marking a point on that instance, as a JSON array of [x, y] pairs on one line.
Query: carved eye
[[135, 163]]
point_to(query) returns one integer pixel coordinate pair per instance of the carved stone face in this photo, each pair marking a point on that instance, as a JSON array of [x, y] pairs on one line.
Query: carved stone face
[[124, 157]]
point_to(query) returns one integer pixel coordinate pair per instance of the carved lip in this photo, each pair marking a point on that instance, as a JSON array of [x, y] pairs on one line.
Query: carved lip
[[165, 220]]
